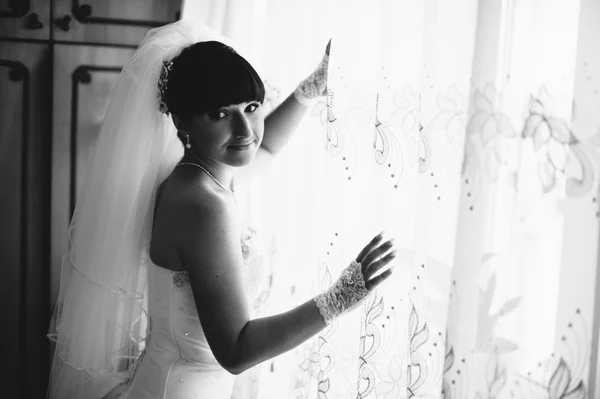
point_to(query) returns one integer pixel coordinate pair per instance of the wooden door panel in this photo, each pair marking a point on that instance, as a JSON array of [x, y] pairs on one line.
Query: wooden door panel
[[25, 19], [84, 78], [24, 212], [111, 21]]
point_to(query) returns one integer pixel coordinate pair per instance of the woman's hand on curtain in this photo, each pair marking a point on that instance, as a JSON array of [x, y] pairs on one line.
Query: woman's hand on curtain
[[315, 85], [373, 258], [357, 280]]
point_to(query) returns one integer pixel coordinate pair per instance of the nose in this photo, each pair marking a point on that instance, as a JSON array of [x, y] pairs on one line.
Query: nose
[[242, 128]]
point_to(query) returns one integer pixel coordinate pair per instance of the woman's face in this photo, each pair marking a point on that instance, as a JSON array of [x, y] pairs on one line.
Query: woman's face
[[229, 135]]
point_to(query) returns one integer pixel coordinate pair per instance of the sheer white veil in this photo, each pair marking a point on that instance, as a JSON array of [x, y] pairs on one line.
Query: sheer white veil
[[100, 321]]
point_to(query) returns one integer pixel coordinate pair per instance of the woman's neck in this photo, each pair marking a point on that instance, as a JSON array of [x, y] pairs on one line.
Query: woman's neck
[[223, 173]]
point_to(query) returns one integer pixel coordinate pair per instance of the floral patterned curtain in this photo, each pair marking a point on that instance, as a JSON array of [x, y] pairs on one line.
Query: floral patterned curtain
[[470, 131]]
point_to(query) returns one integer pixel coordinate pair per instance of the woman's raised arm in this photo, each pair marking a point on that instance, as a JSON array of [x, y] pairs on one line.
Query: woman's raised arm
[[282, 122]]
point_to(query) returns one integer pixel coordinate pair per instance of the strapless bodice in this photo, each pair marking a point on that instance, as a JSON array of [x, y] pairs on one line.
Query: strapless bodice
[[178, 361]]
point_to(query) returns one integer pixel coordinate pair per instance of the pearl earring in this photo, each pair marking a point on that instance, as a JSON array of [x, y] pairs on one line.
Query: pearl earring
[[187, 139]]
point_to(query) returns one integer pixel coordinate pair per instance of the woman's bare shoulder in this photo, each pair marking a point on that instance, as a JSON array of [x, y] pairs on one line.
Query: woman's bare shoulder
[[196, 205]]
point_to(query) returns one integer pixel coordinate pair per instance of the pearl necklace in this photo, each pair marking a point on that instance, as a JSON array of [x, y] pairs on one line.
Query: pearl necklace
[[209, 175]]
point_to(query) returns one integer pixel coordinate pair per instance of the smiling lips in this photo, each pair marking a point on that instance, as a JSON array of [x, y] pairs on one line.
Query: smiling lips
[[242, 146]]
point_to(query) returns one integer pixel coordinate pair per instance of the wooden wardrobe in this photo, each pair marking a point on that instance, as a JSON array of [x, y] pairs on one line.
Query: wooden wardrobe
[[59, 62]]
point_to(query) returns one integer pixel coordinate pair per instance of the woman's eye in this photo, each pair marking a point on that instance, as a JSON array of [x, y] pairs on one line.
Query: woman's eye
[[252, 107], [217, 114]]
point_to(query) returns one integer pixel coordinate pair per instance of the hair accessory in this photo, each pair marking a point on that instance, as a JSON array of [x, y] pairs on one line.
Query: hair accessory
[[162, 86]]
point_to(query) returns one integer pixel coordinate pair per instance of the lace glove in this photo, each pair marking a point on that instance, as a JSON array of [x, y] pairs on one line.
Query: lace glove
[[344, 295], [315, 85]]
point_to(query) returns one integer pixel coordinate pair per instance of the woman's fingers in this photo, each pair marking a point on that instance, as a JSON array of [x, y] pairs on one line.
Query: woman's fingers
[[370, 246], [374, 282], [374, 267], [377, 253]]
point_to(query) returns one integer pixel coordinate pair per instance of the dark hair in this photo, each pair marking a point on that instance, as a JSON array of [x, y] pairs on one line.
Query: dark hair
[[209, 75]]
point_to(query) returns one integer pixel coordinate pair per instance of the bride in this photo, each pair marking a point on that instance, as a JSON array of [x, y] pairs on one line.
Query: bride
[[153, 300]]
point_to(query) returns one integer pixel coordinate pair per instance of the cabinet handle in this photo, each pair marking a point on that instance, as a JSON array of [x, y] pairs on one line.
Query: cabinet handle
[[63, 23], [82, 12], [33, 22], [16, 9]]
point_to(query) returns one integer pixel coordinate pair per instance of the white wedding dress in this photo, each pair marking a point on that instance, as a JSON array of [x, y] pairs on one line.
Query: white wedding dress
[[177, 362]]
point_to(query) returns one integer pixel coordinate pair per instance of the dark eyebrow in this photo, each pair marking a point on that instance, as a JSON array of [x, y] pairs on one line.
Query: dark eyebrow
[[233, 105]]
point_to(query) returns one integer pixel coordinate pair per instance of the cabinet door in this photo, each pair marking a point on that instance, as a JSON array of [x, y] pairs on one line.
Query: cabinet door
[[84, 78], [25, 19], [24, 211], [111, 21]]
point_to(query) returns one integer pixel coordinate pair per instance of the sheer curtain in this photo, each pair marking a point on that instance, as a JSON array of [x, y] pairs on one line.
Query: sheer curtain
[[470, 131]]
